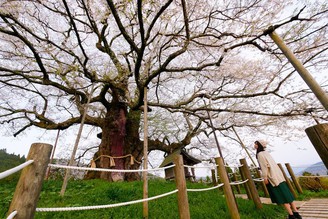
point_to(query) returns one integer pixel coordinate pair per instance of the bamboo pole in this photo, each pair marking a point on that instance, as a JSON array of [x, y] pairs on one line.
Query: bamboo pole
[[181, 185], [254, 193], [287, 181], [296, 183], [67, 175], [307, 77], [229, 196], [29, 185], [145, 152]]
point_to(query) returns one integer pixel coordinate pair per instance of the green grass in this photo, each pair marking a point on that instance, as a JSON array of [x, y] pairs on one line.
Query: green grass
[[203, 205]]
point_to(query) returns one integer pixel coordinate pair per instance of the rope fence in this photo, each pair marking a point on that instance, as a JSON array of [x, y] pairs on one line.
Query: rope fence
[[258, 179], [107, 170], [247, 178], [103, 206], [205, 189], [15, 169], [12, 215], [239, 182]]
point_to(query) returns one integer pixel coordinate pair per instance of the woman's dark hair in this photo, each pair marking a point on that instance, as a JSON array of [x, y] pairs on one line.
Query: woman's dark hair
[[259, 148]]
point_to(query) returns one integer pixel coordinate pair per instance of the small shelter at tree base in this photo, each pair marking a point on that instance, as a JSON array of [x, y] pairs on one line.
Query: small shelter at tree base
[[187, 160]]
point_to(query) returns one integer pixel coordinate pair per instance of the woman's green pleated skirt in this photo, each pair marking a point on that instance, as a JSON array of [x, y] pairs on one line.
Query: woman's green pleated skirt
[[280, 194]]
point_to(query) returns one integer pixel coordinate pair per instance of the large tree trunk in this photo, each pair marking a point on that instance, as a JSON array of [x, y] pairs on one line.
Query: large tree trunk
[[120, 143]]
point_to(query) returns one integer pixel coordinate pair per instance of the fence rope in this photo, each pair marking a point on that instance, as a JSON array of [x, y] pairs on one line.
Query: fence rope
[[15, 169], [206, 189], [12, 215], [258, 179], [238, 182], [206, 167], [107, 170], [103, 206], [235, 166]]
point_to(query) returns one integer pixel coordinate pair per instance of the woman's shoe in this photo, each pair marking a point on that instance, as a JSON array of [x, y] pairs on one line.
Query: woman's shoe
[[297, 215], [291, 216]]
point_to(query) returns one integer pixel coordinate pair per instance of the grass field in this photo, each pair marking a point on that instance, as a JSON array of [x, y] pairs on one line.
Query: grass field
[[209, 204]]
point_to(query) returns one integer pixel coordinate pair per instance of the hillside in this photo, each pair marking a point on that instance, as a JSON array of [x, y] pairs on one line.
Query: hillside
[[8, 161], [315, 169]]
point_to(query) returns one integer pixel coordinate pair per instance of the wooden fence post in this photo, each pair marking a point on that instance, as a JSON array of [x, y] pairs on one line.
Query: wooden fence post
[[295, 181], [265, 189], [288, 181], [254, 193], [29, 184], [214, 181], [248, 192], [180, 181], [234, 177], [229, 196]]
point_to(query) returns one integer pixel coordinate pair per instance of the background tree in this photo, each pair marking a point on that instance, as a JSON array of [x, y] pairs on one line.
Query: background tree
[[193, 56]]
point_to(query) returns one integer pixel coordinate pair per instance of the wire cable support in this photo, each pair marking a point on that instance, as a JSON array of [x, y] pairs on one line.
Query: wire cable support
[[107, 170], [103, 206], [238, 182], [206, 189], [15, 169]]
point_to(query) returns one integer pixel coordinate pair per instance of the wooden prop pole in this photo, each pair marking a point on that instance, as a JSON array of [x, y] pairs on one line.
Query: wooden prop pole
[[63, 189], [307, 77], [318, 135], [52, 154], [243, 146], [145, 152]]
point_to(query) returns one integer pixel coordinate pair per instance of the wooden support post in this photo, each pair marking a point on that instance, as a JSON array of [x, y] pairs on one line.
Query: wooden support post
[[229, 196], [214, 181], [29, 184], [290, 186], [307, 77], [318, 136], [254, 193], [145, 209], [248, 192], [265, 189], [234, 177], [180, 181], [295, 181]]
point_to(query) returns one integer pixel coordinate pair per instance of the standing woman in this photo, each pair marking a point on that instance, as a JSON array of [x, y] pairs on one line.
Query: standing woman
[[275, 181]]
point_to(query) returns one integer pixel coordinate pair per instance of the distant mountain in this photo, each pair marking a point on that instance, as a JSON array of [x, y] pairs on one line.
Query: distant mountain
[[315, 169]]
